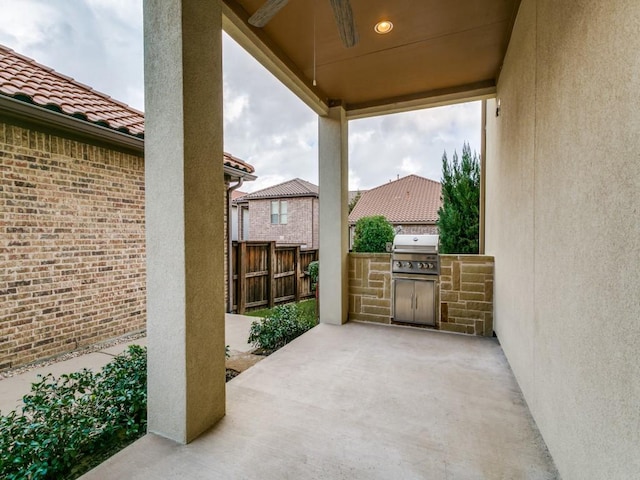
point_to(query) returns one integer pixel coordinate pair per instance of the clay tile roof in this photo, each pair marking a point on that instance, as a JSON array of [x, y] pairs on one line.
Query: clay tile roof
[[236, 194], [410, 199], [25, 79], [234, 162], [293, 188]]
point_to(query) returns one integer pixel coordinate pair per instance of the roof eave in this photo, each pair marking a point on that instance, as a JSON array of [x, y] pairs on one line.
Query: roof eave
[[41, 116], [236, 174], [297, 195]]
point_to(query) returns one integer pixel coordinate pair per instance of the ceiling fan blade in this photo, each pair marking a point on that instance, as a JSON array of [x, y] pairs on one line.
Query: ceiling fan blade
[[266, 12], [344, 19]]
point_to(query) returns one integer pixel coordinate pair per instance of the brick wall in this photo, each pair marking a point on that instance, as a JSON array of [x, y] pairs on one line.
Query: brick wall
[[316, 223], [466, 294], [370, 287], [71, 246], [418, 229], [301, 227]]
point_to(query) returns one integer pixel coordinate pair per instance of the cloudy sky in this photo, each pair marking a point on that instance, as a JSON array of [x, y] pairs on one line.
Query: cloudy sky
[[99, 43]]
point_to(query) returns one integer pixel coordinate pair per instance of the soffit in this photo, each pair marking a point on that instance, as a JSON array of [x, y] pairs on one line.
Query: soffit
[[436, 47]]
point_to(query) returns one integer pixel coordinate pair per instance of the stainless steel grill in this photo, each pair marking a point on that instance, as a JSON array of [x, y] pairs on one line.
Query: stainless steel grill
[[415, 266]]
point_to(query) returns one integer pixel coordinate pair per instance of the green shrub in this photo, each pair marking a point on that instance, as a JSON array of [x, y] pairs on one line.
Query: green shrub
[[372, 234], [70, 424], [285, 323], [314, 273]]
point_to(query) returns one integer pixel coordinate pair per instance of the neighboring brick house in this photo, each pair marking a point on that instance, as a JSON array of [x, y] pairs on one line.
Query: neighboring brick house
[[235, 228], [410, 204], [286, 213], [72, 211], [237, 171]]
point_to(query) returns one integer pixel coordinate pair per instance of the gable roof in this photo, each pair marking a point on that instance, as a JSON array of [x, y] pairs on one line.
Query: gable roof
[[292, 188], [410, 199], [24, 79]]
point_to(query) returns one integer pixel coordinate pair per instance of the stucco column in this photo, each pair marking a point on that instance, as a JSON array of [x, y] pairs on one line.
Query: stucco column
[[334, 201], [184, 216]]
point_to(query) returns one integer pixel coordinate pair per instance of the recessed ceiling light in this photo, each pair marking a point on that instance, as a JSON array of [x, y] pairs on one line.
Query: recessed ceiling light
[[385, 26]]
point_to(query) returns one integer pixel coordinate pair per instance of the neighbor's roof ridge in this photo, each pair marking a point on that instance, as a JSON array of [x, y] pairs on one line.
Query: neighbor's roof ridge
[[399, 179], [410, 199], [296, 187]]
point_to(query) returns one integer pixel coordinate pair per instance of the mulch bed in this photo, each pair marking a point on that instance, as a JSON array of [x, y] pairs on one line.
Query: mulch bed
[[231, 374]]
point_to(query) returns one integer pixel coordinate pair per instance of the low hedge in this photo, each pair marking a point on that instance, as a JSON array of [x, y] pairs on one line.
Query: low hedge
[[284, 323], [70, 424]]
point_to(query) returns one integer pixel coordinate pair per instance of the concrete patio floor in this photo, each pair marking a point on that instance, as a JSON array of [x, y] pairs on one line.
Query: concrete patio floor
[[360, 401]]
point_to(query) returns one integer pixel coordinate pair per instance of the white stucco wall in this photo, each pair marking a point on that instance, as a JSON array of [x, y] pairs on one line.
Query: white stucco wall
[[563, 222]]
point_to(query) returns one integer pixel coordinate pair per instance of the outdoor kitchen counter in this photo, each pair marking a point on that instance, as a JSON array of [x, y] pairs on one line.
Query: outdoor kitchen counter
[[466, 291]]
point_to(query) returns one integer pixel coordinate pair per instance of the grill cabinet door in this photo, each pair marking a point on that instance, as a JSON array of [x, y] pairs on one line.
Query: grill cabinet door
[[425, 297], [403, 300]]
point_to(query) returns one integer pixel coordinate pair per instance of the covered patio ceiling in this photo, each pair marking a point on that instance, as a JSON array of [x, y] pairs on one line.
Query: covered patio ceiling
[[438, 52]]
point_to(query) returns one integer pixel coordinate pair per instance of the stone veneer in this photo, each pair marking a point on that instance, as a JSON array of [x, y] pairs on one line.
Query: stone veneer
[[370, 287], [466, 294], [466, 291]]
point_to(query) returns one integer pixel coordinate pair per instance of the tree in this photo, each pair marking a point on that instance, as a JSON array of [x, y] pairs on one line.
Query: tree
[[372, 234], [354, 200], [459, 215]]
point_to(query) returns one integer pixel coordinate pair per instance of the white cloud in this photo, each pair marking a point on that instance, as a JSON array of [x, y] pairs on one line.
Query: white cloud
[[24, 24], [99, 43], [354, 180], [234, 107], [411, 142], [409, 166]]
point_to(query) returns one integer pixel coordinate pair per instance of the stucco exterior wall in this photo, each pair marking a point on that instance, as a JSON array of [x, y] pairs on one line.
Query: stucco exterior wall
[[562, 220], [301, 227]]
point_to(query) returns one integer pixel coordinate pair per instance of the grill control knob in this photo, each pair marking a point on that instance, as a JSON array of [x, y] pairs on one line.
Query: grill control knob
[[409, 265], [399, 264], [431, 266]]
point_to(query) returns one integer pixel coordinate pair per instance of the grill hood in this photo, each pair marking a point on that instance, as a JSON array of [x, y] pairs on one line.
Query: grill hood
[[416, 243]]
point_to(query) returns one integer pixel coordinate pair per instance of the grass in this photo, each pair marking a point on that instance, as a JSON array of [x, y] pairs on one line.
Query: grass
[[307, 307]]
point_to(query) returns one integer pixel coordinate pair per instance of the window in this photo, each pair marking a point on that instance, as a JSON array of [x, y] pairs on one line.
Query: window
[[278, 212]]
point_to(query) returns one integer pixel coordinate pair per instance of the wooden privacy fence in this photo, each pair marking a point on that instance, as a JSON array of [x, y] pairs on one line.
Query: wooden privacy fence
[[266, 274]]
